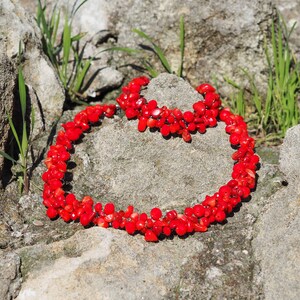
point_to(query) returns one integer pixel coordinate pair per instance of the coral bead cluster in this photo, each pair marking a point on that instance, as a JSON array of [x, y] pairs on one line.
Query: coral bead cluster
[[153, 225], [170, 121]]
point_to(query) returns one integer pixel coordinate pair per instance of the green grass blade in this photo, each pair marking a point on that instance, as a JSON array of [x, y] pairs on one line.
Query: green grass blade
[[74, 10], [231, 82], [66, 47], [153, 73], [130, 51], [182, 33], [157, 50], [22, 92], [268, 103], [255, 92], [275, 54], [55, 28], [13, 129], [24, 141], [81, 75], [32, 118], [5, 155], [78, 37], [43, 21]]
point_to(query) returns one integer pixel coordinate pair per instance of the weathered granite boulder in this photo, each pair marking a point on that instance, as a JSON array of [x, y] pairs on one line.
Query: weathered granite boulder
[[10, 276], [44, 92], [221, 36], [277, 243], [93, 20], [255, 255], [117, 163], [290, 11]]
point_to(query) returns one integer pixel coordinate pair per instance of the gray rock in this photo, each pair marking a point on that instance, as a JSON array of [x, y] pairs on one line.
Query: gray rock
[[10, 276], [93, 20], [290, 155], [172, 92], [290, 10], [117, 163], [221, 36], [45, 93], [277, 244], [109, 263], [7, 101]]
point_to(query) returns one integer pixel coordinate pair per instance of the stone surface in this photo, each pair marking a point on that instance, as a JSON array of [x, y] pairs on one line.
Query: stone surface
[[290, 10], [230, 261], [117, 163], [221, 36], [93, 20], [108, 264], [7, 101], [277, 244], [44, 92], [10, 276]]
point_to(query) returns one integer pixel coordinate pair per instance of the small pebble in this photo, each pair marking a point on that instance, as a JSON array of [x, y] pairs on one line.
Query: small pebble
[[38, 223]]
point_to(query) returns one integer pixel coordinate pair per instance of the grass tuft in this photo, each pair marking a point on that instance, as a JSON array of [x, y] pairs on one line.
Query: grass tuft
[[270, 115], [62, 49]]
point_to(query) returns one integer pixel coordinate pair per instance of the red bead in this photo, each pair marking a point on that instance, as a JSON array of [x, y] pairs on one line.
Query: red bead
[[181, 229], [51, 213], [131, 113], [98, 207], [109, 208], [142, 124], [199, 108], [85, 219], [152, 104], [220, 216], [165, 130], [150, 236], [198, 210], [188, 116], [156, 113], [167, 231], [130, 227], [205, 88], [156, 213]]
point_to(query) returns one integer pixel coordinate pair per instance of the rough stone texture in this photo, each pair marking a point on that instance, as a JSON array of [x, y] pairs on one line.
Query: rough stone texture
[[172, 92], [7, 96], [40, 77], [10, 276], [146, 170], [277, 244], [93, 20], [230, 261], [108, 264], [44, 92], [290, 10], [221, 36]]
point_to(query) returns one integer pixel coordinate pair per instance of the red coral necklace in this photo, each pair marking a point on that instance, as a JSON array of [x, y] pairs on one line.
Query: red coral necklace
[[205, 114]]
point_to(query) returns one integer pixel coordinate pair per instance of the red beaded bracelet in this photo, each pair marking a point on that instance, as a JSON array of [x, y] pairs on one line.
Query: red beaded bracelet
[[206, 113]]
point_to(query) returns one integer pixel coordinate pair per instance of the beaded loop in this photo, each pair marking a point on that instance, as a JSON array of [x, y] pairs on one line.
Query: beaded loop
[[206, 113]]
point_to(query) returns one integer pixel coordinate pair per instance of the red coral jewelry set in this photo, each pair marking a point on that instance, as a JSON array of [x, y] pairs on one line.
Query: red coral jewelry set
[[206, 113]]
